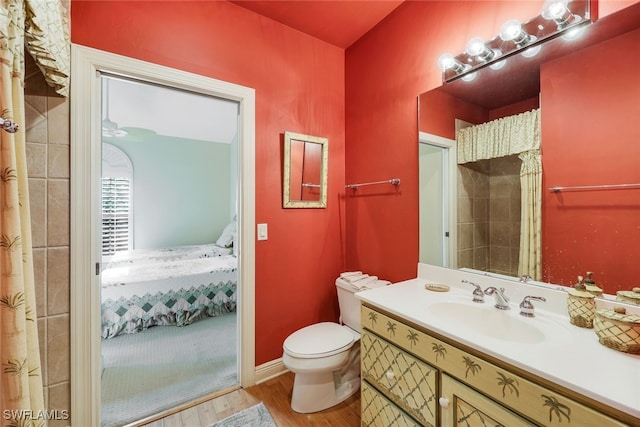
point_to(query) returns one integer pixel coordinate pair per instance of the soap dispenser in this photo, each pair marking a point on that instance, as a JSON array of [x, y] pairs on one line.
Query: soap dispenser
[[581, 305], [591, 286]]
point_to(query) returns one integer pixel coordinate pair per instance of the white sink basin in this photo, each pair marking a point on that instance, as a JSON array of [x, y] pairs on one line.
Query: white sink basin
[[489, 321]]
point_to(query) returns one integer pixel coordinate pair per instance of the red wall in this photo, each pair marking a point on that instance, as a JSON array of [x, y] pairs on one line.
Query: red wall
[[590, 136], [299, 83]]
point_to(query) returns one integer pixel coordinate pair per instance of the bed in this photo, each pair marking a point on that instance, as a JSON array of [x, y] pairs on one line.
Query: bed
[[172, 286]]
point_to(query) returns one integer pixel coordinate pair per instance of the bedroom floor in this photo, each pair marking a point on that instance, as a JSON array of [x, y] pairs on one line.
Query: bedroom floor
[[144, 372], [276, 395]]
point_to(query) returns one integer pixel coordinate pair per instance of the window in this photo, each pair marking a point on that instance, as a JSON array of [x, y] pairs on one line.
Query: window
[[117, 196]]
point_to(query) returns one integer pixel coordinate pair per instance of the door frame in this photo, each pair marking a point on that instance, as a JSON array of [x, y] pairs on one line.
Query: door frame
[[86, 67], [450, 166]]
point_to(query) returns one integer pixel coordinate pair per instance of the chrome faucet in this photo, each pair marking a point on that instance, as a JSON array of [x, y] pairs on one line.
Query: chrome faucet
[[502, 301], [526, 308], [478, 295]]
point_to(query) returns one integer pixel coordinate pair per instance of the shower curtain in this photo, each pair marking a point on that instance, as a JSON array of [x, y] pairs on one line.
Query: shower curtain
[[518, 134], [44, 27]]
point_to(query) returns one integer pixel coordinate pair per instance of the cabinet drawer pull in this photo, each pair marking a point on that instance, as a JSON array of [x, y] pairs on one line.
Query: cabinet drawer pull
[[444, 402], [390, 376]]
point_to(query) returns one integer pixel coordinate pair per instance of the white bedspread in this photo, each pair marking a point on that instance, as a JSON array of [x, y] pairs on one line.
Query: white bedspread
[[141, 279]]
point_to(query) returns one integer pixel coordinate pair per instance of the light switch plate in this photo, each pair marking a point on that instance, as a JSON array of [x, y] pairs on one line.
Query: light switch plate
[[263, 232]]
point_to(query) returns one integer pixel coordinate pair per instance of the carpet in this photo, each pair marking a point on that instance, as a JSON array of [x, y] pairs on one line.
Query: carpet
[[164, 366], [255, 416]]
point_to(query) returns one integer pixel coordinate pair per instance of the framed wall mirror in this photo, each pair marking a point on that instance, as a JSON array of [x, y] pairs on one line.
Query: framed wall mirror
[[305, 171], [590, 169]]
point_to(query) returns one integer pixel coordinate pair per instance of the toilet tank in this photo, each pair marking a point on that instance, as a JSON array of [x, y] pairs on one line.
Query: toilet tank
[[349, 305]]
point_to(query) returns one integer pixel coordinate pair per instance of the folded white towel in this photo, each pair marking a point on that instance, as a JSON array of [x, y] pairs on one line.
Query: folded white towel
[[364, 283], [350, 273], [355, 278]]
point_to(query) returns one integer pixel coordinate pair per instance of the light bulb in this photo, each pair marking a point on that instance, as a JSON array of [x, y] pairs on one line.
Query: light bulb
[[446, 61], [512, 31], [477, 47], [557, 11]]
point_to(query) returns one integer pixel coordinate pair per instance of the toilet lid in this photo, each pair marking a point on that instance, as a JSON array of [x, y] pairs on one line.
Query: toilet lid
[[321, 339]]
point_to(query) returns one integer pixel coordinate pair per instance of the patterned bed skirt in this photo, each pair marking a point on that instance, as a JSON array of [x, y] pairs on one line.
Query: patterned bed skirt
[[176, 308]]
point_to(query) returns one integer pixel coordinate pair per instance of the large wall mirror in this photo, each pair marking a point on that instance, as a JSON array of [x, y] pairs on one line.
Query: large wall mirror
[[305, 171], [588, 97]]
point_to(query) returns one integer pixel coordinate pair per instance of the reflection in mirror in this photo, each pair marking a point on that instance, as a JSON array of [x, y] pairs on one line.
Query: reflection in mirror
[[305, 171], [589, 137]]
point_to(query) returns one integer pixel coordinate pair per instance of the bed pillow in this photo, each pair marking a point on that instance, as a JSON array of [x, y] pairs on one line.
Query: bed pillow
[[235, 245], [226, 238]]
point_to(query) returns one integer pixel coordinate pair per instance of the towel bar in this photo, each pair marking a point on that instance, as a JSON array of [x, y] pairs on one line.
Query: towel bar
[[594, 187], [392, 181]]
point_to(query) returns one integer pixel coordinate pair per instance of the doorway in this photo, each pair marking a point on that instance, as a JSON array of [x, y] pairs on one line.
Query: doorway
[[437, 200], [87, 263]]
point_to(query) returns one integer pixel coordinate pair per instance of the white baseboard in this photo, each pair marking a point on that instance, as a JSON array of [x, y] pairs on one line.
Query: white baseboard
[[269, 370]]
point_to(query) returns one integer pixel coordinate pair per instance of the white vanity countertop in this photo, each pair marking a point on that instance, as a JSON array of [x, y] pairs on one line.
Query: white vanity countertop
[[571, 357]]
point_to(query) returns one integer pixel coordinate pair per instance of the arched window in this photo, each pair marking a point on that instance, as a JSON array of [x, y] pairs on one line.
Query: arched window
[[117, 198]]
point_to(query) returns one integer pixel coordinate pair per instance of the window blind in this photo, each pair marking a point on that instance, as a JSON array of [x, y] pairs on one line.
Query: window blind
[[116, 197]]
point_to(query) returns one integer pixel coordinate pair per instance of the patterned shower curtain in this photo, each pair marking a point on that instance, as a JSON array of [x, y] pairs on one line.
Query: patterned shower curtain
[[43, 25]]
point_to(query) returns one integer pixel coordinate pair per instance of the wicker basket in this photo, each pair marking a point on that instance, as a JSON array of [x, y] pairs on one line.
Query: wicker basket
[[632, 296], [581, 306], [618, 330]]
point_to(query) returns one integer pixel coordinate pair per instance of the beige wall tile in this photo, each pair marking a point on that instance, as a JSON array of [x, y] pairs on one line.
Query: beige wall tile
[[58, 213], [60, 402], [481, 257], [58, 297], [40, 279], [480, 234], [465, 258], [465, 236], [58, 349], [465, 209], [499, 233], [499, 259], [499, 209], [58, 119], [58, 161], [36, 160], [38, 205]]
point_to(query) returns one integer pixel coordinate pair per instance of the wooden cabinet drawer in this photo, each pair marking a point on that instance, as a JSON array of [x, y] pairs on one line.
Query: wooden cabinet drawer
[[405, 380], [524, 396], [378, 411]]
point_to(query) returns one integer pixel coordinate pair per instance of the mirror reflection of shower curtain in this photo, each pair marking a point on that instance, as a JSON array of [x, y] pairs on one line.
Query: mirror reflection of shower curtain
[[517, 134], [530, 260]]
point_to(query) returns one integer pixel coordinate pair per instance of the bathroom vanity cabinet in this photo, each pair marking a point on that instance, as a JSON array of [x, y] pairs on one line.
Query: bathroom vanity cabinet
[[412, 376]]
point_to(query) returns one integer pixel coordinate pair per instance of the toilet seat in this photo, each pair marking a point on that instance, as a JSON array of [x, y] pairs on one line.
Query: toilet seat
[[319, 340]]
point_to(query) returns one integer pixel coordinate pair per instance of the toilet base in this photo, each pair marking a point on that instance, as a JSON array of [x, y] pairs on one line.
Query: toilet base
[[316, 392]]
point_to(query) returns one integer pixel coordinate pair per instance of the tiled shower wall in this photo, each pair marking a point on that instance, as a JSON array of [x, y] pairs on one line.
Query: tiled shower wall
[[504, 215], [473, 215], [47, 136], [489, 215]]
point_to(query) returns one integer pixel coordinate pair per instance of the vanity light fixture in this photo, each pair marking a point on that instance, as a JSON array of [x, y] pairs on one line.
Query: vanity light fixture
[[557, 18]]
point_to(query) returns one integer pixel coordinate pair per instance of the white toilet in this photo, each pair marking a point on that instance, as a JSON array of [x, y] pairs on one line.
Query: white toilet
[[325, 357]]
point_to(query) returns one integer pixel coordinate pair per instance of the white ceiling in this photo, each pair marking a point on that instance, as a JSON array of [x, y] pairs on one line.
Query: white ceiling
[[169, 112]]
